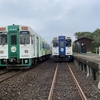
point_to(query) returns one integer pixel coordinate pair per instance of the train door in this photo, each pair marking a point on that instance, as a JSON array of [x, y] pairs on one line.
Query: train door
[[37, 39], [83, 48], [34, 46], [13, 44], [62, 46]]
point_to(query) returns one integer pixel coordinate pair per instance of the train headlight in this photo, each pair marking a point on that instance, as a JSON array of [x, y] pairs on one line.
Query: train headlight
[[55, 51], [2, 52], [13, 49], [69, 51], [26, 51]]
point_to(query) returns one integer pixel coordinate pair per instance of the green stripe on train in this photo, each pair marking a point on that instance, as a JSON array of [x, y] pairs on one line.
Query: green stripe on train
[[13, 41]]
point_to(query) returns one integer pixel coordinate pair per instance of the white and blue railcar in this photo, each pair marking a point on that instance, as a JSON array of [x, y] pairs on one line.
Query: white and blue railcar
[[62, 48]]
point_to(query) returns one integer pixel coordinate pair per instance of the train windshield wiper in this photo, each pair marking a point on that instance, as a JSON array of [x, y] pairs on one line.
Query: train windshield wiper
[[22, 41], [3, 43]]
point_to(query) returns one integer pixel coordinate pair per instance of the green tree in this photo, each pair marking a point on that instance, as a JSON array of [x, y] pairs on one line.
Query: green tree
[[82, 34], [95, 35]]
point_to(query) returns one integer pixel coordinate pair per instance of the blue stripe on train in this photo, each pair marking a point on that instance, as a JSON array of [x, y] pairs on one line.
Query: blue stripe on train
[[62, 45]]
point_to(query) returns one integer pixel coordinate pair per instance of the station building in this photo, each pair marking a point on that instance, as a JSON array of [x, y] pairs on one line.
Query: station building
[[83, 45]]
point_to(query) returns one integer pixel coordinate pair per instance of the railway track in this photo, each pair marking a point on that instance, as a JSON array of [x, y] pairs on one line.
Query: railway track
[[38, 84], [3, 72], [6, 74], [64, 85]]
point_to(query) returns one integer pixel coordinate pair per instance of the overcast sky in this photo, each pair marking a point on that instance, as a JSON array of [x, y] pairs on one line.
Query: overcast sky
[[51, 18]]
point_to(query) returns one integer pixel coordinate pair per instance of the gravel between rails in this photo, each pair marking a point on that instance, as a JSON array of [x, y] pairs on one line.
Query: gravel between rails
[[33, 84], [88, 85], [65, 88]]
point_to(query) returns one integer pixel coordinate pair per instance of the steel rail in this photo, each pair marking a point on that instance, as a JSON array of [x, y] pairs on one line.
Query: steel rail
[[5, 71], [77, 85], [53, 84], [9, 76]]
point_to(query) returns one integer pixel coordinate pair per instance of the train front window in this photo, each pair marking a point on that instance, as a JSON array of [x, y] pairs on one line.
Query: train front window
[[55, 43], [3, 38], [13, 39], [68, 42], [24, 37], [61, 44]]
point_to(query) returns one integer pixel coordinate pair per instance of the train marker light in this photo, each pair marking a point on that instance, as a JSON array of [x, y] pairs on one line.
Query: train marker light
[[24, 28], [2, 28]]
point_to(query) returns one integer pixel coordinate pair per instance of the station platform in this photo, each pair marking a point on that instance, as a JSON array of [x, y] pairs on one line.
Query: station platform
[[90, 59], [89, 56], [90, 62]]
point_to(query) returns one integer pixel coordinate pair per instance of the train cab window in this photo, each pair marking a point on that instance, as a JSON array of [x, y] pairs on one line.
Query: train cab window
[[68, 42], [24, 37], [3, 38], [55, 43], [13, 39]]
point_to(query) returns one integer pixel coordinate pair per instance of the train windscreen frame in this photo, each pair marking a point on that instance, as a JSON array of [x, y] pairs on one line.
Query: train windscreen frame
[[3, 38], [68, 42], [55, 43], [24, 37]]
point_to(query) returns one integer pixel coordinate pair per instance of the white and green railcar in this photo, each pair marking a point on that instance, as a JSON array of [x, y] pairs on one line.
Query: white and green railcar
[[21, 47]]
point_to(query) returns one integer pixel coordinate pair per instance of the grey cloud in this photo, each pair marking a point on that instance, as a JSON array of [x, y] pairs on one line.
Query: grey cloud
[[52, 17]]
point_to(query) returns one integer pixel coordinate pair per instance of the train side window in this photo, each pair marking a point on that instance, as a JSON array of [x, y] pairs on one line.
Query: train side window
[[42, 44], [32, 39]]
